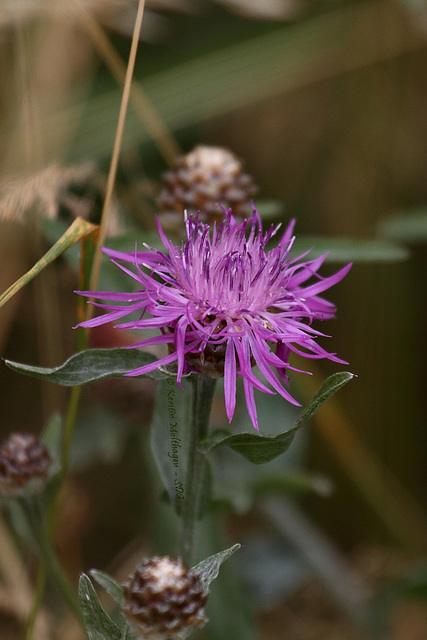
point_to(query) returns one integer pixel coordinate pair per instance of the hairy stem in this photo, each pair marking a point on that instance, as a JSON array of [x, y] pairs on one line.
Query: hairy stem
[[203, 391]]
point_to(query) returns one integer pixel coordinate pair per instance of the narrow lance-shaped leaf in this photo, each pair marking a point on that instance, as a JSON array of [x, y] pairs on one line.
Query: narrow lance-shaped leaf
[[111, 586], [262, 448], [79, 229], [115, 591], [333, 384], [98, 624], [208, 569], [90, 365]]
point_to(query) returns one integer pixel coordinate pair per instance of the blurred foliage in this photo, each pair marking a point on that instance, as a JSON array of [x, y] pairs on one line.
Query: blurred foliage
[[408, 226]]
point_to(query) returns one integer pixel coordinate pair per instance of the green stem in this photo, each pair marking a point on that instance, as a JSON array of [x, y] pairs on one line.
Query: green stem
[[67, 437], [38, 595], [203, 391], [48, 555], [69, 429], [44, 535]]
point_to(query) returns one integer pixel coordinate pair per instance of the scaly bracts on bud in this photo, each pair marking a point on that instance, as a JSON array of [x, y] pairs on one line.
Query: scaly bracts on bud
[[205, 180], [24, 465], [164, 599]]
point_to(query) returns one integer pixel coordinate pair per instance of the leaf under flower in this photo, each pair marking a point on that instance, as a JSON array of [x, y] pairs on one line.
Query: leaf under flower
[[259, 449], [91, 365]]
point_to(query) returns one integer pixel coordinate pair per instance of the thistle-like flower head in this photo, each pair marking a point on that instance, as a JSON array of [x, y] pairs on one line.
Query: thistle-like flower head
[[221, 301]]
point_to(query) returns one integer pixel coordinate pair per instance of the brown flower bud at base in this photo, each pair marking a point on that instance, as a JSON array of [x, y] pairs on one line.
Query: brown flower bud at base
[[24, 465], [164, 599]]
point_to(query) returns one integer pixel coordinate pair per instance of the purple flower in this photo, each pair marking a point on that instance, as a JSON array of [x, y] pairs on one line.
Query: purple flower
[[221, 300]]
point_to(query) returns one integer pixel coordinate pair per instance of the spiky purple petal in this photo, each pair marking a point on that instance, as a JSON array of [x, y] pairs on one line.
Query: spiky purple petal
[[223, 287]]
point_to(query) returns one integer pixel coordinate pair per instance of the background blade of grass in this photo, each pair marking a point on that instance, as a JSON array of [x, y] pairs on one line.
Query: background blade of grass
[[79, 229], [251, 71]]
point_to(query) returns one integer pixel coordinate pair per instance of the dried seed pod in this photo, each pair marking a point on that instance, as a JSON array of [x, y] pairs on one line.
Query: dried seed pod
[[205, 180], [164, 598], [24, 464]]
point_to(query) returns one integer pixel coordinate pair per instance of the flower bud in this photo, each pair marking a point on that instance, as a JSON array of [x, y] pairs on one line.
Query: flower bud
[[24, 465], [164, 599], [202, 181]]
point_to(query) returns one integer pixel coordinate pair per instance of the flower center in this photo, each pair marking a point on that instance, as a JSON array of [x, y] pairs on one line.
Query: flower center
[[226, 287]]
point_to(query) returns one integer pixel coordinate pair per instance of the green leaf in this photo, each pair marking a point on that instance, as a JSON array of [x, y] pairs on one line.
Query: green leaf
[[98, 624], [235, 478], [126, 633], [208, 569], [169, 436], [333, 384], [406, 226], [350, 249], [259, 449], [255, 448], [111, 586], [90, 365]]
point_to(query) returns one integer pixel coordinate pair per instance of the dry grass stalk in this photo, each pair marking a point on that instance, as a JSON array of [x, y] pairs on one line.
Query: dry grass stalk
[[116, 150], [164, 140]]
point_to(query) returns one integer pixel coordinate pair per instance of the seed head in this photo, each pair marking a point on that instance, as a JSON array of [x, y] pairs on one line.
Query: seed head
[[164, 599], [24, 465]]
